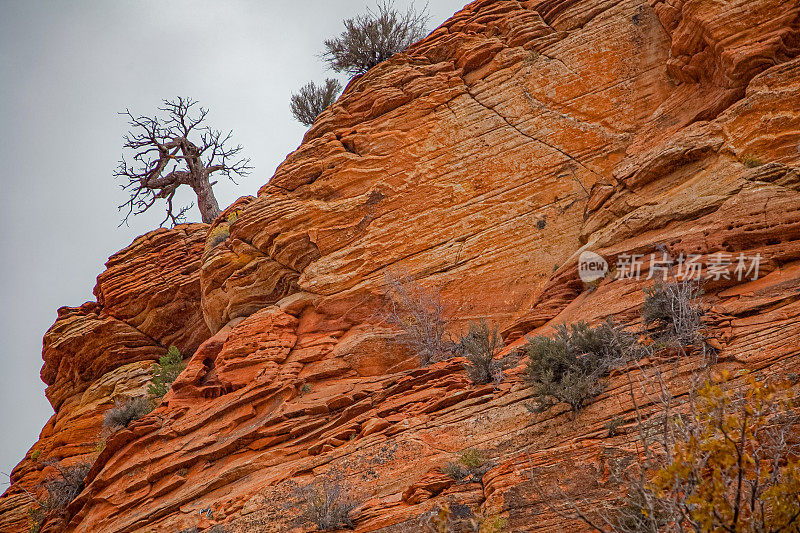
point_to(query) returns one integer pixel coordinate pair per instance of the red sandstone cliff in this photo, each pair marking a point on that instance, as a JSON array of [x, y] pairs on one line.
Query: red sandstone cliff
[[480, 162]]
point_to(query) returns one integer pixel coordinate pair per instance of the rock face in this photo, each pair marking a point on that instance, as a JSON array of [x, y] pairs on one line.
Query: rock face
[[481, 162], [147, 299]]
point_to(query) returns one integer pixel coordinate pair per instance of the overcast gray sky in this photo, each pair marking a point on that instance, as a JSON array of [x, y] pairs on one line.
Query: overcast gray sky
[[66, 70]]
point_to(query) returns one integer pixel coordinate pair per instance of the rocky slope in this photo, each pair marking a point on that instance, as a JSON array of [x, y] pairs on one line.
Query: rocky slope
[[481, 163]]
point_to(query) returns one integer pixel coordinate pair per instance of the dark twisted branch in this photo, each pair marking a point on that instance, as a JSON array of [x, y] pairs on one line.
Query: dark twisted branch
[[163, 157]]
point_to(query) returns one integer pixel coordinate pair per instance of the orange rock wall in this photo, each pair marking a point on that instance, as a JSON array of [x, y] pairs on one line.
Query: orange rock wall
[[147, 299], [480, 162]]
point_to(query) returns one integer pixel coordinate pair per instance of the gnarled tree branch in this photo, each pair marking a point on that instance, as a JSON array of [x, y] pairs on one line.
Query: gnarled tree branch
[[162, 158]]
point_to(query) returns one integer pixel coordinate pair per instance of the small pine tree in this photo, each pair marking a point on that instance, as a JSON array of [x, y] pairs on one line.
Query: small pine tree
[[166, 371]]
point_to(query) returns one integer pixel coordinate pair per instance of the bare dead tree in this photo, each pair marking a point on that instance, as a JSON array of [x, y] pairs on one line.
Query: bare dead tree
[[327, 507], [164, 158], [420, 315]]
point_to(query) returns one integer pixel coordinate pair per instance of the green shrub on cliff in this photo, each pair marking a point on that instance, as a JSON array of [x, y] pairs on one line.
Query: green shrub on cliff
[[481, 345], [570, 366], [471, 464], [123, 413], [166, 371]]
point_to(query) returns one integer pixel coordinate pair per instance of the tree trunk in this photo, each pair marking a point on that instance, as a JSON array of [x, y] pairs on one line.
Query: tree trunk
[[209, 208]]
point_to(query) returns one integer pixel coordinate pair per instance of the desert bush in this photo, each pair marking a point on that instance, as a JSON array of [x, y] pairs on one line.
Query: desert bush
[[471, 464], [473, 458], [313, 99], [217, 236], [123, 413], [455, 470], [671, 308], [166, 371], [480, 346], [61, 490], [326, 507], [727, 459], [458, 517], [36, 517], [613, 425], [728, 462], [374, 37], [485, 523], [569, 367], [420, 315], [640, 511]]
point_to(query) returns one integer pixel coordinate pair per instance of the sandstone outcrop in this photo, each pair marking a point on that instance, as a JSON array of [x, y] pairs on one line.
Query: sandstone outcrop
[[481, 163], [147, 299]]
